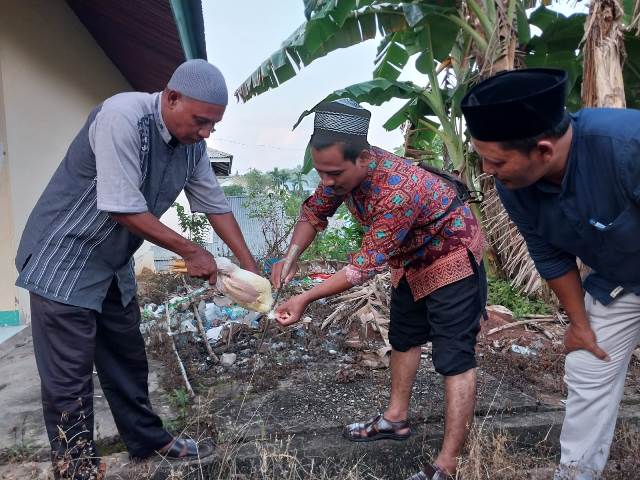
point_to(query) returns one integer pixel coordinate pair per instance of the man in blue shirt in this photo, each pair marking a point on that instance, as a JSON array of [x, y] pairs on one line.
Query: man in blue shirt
[[571, 184]]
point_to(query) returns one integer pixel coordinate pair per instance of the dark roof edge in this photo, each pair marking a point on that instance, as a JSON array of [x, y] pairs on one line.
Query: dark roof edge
[[190, 24]]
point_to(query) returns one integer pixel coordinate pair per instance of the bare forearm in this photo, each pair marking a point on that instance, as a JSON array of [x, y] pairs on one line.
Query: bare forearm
[[227, 228], [568, 289], [303, 236], [335, 284], [147, 226]]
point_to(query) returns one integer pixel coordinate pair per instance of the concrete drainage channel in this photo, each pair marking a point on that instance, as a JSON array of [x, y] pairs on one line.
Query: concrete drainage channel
[[263, 428], [326, 450], [299, 419]]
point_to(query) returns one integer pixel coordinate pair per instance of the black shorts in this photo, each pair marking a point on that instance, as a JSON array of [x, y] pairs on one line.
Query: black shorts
[[449, 318]]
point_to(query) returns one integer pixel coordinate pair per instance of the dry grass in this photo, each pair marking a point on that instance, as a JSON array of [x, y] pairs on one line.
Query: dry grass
[[624, 461], [495, 456]]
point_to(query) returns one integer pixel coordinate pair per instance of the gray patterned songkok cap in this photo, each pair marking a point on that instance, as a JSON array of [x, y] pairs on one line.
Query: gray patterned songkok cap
[[340, 120]]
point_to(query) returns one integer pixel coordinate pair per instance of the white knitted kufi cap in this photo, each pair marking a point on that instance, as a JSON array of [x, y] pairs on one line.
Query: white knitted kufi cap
[[200, 80]]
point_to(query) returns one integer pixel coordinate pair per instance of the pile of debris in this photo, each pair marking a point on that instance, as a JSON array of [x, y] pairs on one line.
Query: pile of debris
[[206, 328], [212, 333]]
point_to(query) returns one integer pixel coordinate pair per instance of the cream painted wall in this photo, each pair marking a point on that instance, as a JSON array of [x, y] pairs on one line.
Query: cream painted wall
[[53, 73], [7, 243]]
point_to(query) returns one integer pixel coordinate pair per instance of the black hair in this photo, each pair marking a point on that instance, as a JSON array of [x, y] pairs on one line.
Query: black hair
[[526, 145], [351, 148]]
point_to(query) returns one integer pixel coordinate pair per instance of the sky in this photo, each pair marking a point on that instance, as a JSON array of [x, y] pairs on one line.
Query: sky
[[240, 35]]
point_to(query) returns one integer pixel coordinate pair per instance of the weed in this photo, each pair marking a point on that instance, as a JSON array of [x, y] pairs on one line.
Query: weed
[[502, 293], [181, 404], [18, 453], [336, 243]]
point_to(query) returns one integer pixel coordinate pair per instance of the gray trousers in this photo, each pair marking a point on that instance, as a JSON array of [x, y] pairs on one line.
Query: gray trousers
[[595, 388], [68, 341]]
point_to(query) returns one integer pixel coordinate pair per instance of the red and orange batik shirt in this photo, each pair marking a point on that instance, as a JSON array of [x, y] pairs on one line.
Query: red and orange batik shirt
[[403, 210]]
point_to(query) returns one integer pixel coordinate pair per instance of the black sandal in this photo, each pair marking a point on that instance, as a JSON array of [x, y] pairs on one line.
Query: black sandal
[[186, 449], [376, 428]]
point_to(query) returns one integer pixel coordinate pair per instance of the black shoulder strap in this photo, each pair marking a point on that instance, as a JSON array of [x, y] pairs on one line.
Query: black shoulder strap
[[462, 190]]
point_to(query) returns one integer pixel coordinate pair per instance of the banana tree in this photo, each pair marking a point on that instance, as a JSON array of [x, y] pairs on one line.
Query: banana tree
[[457, 43]]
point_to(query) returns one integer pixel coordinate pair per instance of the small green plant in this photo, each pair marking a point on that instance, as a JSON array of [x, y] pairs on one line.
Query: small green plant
[[234, 190], [17, 453], [195, 225], [337, 243], [181, 403], [502, 293], [180, 399]]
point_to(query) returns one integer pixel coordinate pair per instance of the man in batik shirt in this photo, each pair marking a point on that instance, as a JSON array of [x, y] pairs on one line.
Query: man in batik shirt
[[415, 223]]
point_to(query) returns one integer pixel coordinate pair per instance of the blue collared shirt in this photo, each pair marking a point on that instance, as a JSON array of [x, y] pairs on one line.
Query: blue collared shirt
[[594, 214]]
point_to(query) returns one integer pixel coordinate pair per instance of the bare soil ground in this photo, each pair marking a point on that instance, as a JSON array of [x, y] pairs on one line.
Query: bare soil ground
[[278, 412]]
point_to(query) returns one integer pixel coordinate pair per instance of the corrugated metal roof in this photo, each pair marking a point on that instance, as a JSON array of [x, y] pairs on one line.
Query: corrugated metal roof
[[217, 154], [250, 227], [220, 161], [141, 37]]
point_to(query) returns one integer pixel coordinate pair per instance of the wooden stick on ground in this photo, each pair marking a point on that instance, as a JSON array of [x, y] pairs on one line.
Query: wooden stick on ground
[[210, 351], [520, 323], [175, 350]]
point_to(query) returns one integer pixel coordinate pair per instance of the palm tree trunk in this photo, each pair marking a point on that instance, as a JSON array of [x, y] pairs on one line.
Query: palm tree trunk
[[603, 47]]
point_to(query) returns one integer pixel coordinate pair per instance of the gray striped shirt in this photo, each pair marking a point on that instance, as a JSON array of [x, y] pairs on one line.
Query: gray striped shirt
[[121, 161]]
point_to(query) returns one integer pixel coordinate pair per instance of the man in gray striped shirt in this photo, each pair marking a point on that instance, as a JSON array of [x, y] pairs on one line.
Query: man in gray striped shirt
[[124, 169]]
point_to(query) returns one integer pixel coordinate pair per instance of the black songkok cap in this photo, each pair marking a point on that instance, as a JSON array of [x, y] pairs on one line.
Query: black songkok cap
[[341, 120], [516, 104]]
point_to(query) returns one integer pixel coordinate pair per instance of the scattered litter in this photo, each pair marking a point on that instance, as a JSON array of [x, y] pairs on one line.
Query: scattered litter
[[214, 333], [319, 277], [215, 314], [526, 351], [228, 359], [186, 325]]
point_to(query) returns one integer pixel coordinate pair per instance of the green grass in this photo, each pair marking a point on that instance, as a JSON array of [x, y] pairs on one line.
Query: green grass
[[502, 293]]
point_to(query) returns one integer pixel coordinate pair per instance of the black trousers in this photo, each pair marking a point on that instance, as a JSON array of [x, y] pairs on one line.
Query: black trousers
[[68, 341]]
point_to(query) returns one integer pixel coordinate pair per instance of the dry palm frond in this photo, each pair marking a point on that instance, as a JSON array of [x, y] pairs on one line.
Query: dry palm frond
[[604, 54], [367, 304], [508, 243]]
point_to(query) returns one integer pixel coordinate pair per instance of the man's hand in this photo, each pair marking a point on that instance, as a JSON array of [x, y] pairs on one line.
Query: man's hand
[[582, 338], [283, 272], [201, 264], [290, 311]]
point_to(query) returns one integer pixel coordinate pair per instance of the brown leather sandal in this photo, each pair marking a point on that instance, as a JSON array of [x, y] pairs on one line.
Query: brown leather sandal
[[431, 472], [376, 428], [186, 449]]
